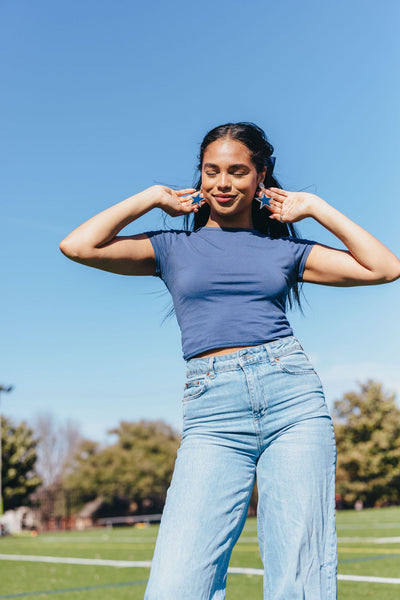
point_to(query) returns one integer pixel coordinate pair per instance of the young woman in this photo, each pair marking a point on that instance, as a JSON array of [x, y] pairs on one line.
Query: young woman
[[253, 404]]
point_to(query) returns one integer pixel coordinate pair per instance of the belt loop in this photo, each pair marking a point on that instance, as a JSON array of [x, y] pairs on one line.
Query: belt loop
[[270, 353], [211, 361]]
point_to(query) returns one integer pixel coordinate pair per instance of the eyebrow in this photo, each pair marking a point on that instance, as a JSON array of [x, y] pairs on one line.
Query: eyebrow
[[238, 166]]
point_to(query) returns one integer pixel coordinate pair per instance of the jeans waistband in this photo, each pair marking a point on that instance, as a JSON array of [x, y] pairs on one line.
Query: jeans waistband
[[267, 352]]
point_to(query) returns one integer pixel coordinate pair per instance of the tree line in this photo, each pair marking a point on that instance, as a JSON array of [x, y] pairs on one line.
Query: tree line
[[137, 467]]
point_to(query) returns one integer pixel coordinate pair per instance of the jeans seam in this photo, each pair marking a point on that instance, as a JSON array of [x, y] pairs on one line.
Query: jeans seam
[[225, 565], [253, 400], [330, 554]]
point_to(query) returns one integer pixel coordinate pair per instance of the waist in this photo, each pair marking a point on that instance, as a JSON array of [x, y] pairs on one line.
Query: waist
[[270, 351], [219, 351]]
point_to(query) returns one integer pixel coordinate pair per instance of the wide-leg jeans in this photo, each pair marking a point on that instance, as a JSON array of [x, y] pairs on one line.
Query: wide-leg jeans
[[259, 411]]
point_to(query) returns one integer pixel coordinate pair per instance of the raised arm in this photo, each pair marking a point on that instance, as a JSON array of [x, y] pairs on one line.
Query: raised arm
[[95, 243], [366, 261]]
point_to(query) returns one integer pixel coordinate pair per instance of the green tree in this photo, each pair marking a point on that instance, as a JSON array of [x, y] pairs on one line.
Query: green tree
[[18, 450], [137, 467], [367, 429]]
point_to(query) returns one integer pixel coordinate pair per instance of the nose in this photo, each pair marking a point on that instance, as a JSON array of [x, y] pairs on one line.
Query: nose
[[224, 182]]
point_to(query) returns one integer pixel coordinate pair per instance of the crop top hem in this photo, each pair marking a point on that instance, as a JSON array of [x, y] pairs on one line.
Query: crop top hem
[[231, 344]]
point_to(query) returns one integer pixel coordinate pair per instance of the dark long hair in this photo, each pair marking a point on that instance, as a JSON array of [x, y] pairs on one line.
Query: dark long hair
[[254, 138]]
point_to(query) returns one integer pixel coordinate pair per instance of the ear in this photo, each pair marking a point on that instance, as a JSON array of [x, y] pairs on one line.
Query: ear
[[261, 175]]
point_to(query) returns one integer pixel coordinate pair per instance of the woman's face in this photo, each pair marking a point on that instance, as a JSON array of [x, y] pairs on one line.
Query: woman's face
[[229, 181]]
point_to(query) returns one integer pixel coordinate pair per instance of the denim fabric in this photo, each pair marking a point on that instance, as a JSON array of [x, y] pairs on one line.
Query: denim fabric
[[260, 410]]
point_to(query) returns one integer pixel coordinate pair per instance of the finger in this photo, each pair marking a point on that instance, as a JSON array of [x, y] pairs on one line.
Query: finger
[[275, 211], [185, 192], [275, 198], [186, 208], [279, 191], [276, 204], [276, 193]]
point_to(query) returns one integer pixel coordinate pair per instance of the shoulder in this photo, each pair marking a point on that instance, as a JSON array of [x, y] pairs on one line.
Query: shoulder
[[296, 246], [166, 237], [166, 233], [294, 241], [166, 242], [297, 251]]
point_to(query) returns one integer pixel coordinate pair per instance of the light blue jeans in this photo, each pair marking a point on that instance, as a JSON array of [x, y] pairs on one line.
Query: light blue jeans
[[259, 411]]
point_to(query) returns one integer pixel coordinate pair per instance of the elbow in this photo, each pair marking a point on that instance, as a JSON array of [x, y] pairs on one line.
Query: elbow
[[71, 250], [392, 276], [68, 249], [392, 272]]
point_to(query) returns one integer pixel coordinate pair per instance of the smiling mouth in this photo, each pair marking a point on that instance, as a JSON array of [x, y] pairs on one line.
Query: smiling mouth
[[224, 198]]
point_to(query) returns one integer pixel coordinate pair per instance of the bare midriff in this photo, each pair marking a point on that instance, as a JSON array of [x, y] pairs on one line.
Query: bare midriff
[[219, 351]]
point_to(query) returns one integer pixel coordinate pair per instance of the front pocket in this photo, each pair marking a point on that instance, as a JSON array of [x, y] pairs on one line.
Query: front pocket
[[194, 388], [295, 363]]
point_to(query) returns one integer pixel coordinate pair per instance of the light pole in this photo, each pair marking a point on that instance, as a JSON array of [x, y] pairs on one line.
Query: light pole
[[3, 388]]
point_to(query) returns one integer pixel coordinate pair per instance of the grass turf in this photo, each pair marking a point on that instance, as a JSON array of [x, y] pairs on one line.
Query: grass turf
[[89, 582]]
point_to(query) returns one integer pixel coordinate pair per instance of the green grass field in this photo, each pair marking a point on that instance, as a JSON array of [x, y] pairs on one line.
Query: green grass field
[[369, 545]]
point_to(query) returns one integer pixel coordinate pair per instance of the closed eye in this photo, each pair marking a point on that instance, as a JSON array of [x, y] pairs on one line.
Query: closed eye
[[211, 174]]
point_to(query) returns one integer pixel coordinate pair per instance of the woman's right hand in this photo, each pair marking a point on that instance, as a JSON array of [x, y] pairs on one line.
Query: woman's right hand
[[174, 202], [95, 243]]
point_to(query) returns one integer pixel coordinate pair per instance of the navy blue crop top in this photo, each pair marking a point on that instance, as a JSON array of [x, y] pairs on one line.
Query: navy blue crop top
[[229, 285]]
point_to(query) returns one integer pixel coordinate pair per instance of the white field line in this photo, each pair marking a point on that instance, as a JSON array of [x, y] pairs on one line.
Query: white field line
[[369, 540], [369, 579], [369, 526], [76, 561], [147, 563], [103, 539], [243, 571]]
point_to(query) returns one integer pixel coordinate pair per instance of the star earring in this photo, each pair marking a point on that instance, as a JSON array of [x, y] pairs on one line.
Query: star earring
[[198, 199], [263, 200]]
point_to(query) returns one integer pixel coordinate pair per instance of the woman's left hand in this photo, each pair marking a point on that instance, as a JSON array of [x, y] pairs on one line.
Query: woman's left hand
[[366, 261], [289, 207]]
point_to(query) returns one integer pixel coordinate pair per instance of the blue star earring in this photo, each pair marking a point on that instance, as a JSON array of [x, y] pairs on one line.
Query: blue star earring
[[263, 200], [198, 200]]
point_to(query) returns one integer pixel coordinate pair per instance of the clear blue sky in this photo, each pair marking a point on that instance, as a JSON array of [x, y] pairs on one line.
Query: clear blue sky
[[102, 99]]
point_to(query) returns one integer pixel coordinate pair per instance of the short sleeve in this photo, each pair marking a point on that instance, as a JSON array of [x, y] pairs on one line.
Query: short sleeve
[[161, 242], [301, 249]]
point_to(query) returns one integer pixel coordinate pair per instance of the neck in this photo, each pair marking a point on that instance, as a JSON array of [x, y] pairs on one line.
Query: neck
[[234, 221]]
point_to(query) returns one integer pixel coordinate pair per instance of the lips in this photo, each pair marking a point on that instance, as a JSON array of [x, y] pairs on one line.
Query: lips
[[223, 198]]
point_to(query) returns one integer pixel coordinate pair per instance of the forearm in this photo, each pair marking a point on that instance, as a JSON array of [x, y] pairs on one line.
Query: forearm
[[364, 247], [104, 226]]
